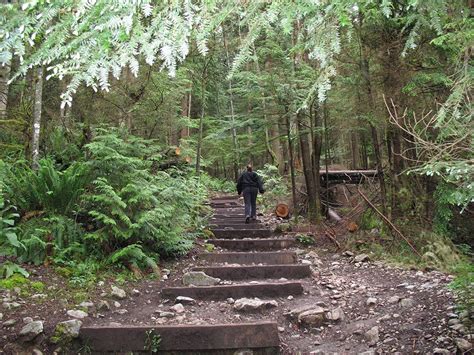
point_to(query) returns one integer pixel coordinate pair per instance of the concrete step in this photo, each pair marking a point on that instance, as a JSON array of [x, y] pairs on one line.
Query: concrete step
[[256, 271], [226, 197], [202, 339], [282, 257], [219, 292], [242, 233], [254, 244]]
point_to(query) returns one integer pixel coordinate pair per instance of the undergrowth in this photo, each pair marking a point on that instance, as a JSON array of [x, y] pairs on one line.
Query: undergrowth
[[437, 251], [113, 207]]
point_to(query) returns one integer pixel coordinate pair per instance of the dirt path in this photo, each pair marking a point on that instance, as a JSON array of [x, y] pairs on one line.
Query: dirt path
[[347, 304]]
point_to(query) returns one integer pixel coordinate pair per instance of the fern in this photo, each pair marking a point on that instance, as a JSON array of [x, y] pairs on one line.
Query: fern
[[134, 254]]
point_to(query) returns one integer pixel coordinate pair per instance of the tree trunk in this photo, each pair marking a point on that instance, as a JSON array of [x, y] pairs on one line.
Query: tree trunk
[[232, 114], [201, 123], [268, 146], [307, 166], [354, 151], [317, 145], [364, 66], [38, 104], [4, 77], [291, 157]]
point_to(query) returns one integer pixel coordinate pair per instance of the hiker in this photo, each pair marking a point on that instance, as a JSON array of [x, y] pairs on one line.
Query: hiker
[[250, 184]]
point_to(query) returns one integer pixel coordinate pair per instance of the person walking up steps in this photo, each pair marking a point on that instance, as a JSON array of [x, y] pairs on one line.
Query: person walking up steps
[[250, 184]]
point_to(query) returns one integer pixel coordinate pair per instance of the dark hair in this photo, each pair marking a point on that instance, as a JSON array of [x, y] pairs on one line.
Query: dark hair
[[249, 167]]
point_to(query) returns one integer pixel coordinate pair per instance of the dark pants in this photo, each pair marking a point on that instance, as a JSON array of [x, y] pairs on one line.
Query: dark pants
[[250, 199]]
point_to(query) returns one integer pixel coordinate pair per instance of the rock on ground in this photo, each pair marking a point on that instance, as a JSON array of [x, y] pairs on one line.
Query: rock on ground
[[118, 293], [253, 304], [32, 329], [77, 314], [68, 330], [199, 278], [372, 335], [314, 317]]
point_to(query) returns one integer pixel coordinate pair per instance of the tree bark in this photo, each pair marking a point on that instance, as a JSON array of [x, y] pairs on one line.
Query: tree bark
[[291, 158], [307, 166], [317, 146], [201, 121], [232, 114], [38, 105], [4, 77]]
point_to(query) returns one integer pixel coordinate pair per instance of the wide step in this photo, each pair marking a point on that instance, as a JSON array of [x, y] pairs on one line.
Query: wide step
[[235, 291], [242, 233], [257, 272], [253, 244], [207, 338], [251, 258], [234, 226]]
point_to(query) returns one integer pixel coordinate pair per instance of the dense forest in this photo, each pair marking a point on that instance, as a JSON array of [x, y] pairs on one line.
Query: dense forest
[[117, 119]]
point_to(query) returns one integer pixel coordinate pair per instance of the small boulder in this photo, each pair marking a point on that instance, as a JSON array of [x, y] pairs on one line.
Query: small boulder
[[199, 278], [372, 335], [86, 305], [118, 293], [9, 323], [407, 302], [463, 345], [135, 293], [164, 314], [337, 314], [393, 299], [361, 258], [178, 308], [314, 317], [11, 305], [185, 300], [67, 330], [103, 306], [75, 313], [32, 329], [253, 304], [371, 301]]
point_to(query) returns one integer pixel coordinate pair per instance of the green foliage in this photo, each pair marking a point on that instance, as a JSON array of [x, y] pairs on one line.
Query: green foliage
[[14, 281], [8, 269], [152, 341], [463, 284], [8, 231], [305, 239], [273, 181], [133, 254], [369, 221], [47, 188]]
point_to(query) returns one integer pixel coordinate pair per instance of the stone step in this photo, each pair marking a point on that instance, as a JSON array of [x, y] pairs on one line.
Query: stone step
[[202, 339], [256, 271], [242, 233], [220, 292], [254, 244], [282, 257]]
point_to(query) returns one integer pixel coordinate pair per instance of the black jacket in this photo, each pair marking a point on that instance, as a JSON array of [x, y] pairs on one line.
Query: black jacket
[[249, 179]]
